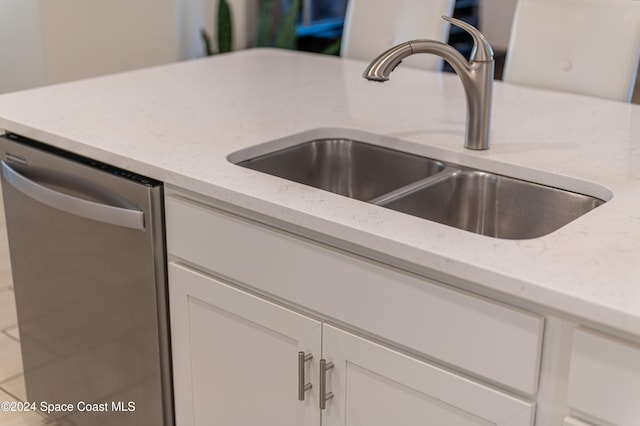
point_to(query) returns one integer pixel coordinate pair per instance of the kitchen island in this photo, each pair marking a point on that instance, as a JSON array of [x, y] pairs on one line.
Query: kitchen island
[[181, 123]]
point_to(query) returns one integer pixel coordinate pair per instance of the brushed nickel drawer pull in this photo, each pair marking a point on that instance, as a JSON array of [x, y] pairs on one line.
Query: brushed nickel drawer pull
[[302, 385], [324, 395]]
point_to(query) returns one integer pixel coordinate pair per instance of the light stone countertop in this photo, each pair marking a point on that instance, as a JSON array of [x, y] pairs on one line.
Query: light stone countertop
[[179, 123]]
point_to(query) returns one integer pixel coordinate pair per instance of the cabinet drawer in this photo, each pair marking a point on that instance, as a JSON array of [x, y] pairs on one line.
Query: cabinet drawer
[[604, 378], [485, 338]]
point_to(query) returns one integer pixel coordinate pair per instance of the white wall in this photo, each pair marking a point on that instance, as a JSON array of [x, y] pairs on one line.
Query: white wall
[[190, 17], [83, 38], [21, 60], [52, 41]]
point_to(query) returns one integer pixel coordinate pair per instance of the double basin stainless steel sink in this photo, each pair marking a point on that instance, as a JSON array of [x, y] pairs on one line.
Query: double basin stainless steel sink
[[474, 200]]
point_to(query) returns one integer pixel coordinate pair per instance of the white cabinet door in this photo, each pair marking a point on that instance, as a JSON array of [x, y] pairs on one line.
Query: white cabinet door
[[604, 378], [235, 356], [376, 386]]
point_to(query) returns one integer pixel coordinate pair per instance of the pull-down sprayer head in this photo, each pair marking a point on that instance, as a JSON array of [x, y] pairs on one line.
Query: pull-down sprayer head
[[476, 75]]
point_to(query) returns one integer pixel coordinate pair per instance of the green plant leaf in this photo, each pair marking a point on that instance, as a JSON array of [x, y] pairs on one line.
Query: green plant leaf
[[333, 48], [266, 22], [225, 27], [286, 38], [206, 39]]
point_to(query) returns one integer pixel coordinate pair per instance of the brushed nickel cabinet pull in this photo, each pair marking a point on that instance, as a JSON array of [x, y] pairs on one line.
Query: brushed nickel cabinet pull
[[324, 395], [302, 385]]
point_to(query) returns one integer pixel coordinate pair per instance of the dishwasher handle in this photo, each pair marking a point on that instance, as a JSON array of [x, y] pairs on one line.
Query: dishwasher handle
[[119, 216]]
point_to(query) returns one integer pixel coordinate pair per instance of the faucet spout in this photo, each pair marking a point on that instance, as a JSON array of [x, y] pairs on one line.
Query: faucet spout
[[476, 75]]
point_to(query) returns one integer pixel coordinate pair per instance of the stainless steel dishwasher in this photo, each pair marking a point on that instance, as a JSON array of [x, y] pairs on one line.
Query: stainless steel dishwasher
[[87, 255]]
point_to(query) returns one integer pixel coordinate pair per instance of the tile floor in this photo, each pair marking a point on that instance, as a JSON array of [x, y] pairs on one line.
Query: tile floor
[[11, 379]]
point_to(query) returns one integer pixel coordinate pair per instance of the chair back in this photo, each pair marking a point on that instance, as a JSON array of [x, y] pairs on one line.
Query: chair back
[[589, 47], [373, 26]]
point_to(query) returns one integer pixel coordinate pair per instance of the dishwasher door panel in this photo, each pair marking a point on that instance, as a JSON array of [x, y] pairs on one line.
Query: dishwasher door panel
[[89, 295]]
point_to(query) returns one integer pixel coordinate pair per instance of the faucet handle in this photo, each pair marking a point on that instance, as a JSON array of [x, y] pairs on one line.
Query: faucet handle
[[482, 51]]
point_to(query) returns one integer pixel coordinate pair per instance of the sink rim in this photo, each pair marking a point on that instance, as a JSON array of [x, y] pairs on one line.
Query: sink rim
[[451, 160], [475, 160]]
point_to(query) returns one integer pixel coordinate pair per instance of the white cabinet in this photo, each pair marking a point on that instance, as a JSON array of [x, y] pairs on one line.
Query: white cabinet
[[604, 379], [235, 356], [488, 339], [236, 363], [247, 298]]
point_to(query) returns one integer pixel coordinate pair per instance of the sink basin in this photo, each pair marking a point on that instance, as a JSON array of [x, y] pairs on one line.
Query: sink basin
[[354, 169], [466, 198], [493, 205]]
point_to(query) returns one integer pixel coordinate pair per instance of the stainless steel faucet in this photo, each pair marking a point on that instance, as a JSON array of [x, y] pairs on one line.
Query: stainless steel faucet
[[476, 75]]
